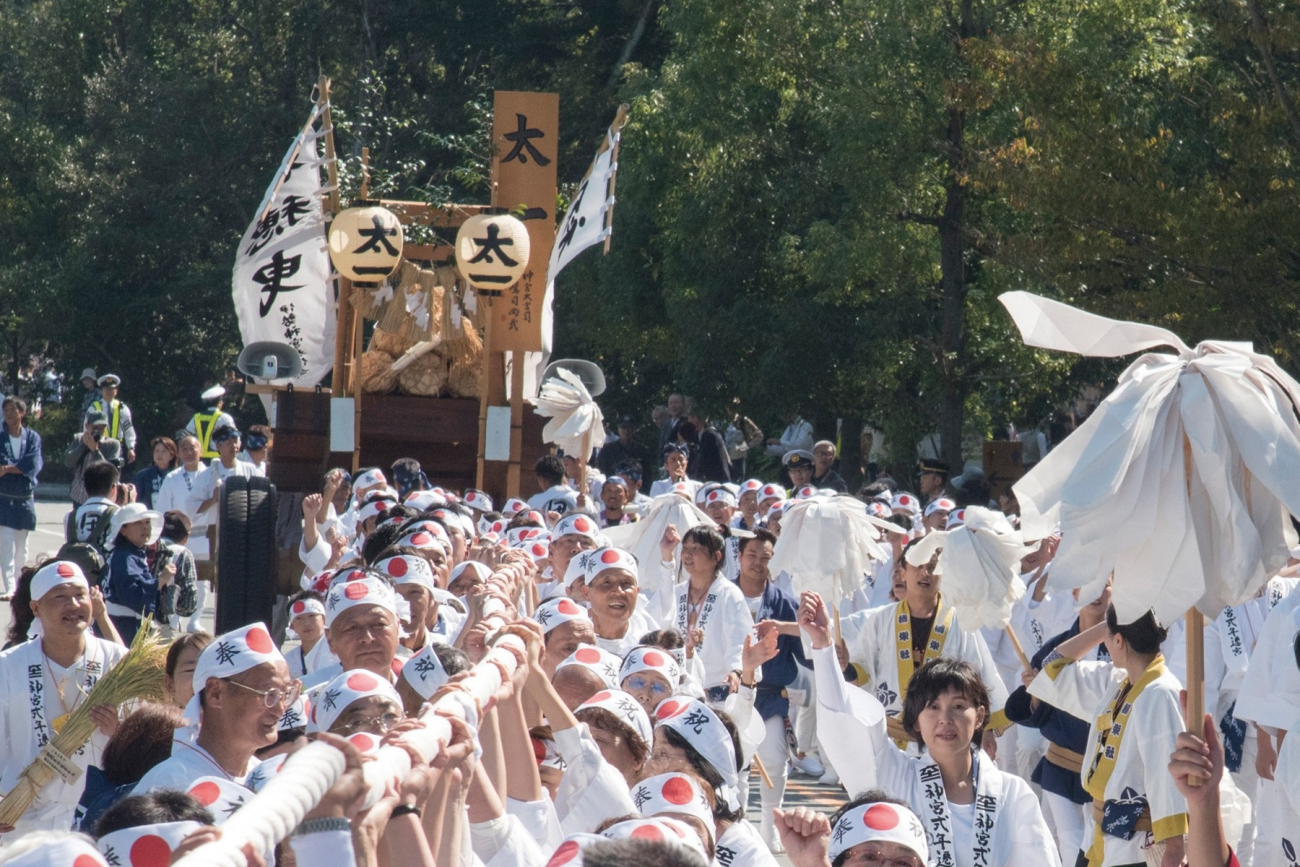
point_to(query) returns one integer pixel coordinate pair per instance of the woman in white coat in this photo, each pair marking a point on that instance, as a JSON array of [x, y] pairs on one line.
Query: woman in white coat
[[711, 614], [974, 814]]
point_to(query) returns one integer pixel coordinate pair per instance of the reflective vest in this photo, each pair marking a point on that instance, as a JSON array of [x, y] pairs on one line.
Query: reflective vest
[[204, 424], [115, 418]]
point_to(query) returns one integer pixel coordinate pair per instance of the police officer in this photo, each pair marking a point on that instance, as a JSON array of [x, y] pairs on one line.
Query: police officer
[[933, 478], [208, 420], [799, 465], [117, 413]]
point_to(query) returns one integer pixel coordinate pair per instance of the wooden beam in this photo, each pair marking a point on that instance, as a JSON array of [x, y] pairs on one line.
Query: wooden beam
[[444, 217], [516, 422]]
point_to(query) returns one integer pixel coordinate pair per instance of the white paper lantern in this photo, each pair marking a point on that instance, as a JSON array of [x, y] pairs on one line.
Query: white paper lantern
[[366, 243], [492, 252]]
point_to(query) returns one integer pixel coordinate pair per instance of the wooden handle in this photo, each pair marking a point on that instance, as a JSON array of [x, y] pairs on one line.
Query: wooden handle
[[1020, 650], [762, 771], [1195, 624]]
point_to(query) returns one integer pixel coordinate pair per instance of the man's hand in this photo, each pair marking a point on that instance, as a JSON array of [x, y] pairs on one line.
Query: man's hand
[[88, 440], [167, 575], [755, 653], [98, 608], [104, 716], [1027, 676], [814, 620], [348, 793], [311, 507], [805, 834], [1266, 758], [130, 456], [733, 680]]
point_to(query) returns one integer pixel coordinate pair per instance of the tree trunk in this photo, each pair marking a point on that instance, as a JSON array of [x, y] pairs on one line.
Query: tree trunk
[[952, 283], [851, 457]]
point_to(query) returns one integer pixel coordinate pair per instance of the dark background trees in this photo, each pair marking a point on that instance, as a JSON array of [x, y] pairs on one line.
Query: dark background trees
[[818, 201]]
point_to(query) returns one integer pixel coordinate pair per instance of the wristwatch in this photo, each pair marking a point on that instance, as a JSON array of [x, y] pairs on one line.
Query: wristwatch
[[317, 826]]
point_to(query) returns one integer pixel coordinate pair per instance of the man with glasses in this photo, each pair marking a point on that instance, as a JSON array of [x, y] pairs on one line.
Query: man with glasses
[[242, 687]]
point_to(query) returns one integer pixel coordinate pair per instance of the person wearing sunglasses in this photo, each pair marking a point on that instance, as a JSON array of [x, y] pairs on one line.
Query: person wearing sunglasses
[[650, 675]]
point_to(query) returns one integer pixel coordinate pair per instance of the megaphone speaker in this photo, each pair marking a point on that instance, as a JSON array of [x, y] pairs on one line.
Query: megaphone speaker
[[269, 359]]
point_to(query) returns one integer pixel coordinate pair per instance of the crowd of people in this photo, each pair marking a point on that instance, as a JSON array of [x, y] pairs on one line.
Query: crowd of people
[[648, 670]]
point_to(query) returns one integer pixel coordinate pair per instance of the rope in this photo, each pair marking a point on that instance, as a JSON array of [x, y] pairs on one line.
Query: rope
[[271, 815]]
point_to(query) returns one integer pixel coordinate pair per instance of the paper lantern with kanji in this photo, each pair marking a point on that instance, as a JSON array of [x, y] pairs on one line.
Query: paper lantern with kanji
[[492, 252], [366, 243]]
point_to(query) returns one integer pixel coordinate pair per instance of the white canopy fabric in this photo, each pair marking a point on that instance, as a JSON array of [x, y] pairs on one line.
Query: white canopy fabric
[[980, 564], [827, 545], [576, 424], [1180, 483]]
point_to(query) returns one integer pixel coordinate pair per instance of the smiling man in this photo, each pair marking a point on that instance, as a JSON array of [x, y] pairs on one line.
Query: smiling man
[[887, 644], [242, 686], [43, 680], [612, 591]]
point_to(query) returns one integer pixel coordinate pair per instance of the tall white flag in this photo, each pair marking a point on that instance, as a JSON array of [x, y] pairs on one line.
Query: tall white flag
[[281, 284]]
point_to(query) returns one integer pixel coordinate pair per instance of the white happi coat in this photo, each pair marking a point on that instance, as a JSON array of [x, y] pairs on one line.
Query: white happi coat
[[31, 703], [1270, 689], [851, 731], [725, 619], [871, 638], [1085, 690], [741, 846], [591, 790], [1286, 846]]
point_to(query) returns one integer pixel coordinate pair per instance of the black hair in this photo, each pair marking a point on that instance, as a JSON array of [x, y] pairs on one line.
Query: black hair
[[709, 537], [628, 468], [640, 853], [550, 469], [380, 539], [932, 680], [21, 615], [409, 470], [882, 485], [401, 511], [100, 477], [665, 639], [602, 718], [453, 659], [705, 768], [760, 535], [18, 403], [974, 491], [901, 521], [142, 741], [198, 640], [156, 808], [176, 527], [870, 796], [523, 519], [1144, 635], [1295, 648], [673, 448]]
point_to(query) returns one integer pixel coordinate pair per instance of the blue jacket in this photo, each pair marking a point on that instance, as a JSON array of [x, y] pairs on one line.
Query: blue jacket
[[781, 670], [1057, 726], [128, 580], [17, 490]]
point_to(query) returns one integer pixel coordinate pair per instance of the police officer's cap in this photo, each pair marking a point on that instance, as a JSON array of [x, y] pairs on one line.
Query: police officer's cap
[[925, 465], [798, 459], [111, 379], [215, 393]]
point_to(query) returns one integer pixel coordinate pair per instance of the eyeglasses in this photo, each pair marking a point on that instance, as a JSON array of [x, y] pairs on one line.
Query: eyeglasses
[[657, 687], [375, 725], [876, 859], [275, 697]]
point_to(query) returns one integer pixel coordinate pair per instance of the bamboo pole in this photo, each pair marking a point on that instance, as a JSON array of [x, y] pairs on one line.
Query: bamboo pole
[[619, 120], [343, 307], [1194, 626], [1018, 647]]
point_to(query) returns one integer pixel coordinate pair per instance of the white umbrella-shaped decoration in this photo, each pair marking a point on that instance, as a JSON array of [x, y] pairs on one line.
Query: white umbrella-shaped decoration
[[827, 545], [981, 576], [1180, 484], [641, 538], [576, 424]]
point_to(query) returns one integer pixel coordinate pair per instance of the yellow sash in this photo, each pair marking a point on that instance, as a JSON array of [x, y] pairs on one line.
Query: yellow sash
[[115, 418], [1110, 728], [907, 664]]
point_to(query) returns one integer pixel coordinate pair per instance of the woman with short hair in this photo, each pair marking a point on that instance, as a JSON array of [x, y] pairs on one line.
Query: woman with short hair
[[20, 464]]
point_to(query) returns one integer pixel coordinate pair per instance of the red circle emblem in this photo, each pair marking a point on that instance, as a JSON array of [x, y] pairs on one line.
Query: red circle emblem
[[66, 570], [299, 607], [362, 682], [356, 575], [540, 550], [206, 793], [259, 640], [421, 539], [880, 817], [678, 791], [356, 591], [582, 525], [566, 853], [603, 695], [647, 832], [669, 709], [589, 655], [88, 861], [609, 557], [653, 657], [150, 851], [397, 567], [567, 606], [362, 741]]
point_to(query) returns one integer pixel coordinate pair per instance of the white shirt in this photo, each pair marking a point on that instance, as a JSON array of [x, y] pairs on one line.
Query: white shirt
[[207, 482], [174, 494], [798, 435], [188, 761], [87, 512]]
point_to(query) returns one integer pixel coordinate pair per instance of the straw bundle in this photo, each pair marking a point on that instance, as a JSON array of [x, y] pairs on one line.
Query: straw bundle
[[377, 374], [425, 376], [139, 675], [389, 342]]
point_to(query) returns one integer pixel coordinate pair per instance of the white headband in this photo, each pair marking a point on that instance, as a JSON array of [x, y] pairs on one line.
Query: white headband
[[879, 821], [703, 729], [56, 574], [145, 845], [554, 612], [342, 691], [596, 659], [425, 673], [625, 707], [406, 569], [360, 591], [672, 793], [603, 559], [651, 659]]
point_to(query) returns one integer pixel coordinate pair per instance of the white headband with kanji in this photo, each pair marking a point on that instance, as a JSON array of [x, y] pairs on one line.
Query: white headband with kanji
[[476, 499], [407, 569], [672, 793], [342, 691], [424, 500], [145, 845], [651, 659], [602, 559], [68, 852], [358, 591], [881, 821], [624, 706], [771, 492], [703, 729], [306, 606], [369, 479], [221, 796], [514, 507], [662, 828], [554, 612], [597, 659], [425, 673], [579, 525], [941, 504], [721, 496]]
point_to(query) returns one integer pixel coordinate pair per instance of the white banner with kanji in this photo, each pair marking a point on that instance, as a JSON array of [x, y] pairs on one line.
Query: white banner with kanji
[[281, 286]]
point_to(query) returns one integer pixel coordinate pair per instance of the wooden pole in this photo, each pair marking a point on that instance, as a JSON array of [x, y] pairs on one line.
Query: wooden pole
[[514, 471], [343, 308], [1016, 645], [1194, 624], [762, 771], [354, 389], [484, 386], [619, 120]]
